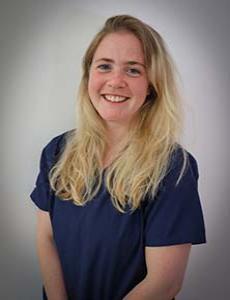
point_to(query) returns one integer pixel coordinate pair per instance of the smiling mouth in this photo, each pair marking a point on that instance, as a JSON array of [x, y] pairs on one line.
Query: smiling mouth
[[115, 99]]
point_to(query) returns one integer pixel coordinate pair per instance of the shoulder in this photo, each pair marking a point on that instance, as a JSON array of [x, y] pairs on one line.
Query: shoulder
[[55, 147], [182, 156], [182, 168]]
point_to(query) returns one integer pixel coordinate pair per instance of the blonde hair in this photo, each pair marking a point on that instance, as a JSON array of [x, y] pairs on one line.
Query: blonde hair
[[142, 164]]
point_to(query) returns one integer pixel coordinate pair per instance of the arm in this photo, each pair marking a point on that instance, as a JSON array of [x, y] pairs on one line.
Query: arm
[[48, 258], [165, 272]]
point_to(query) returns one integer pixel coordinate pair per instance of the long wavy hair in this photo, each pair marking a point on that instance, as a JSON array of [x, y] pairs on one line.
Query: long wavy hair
[[144, 161]]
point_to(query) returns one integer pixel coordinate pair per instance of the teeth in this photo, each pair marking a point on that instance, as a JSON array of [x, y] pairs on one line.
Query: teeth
[[113, 98]]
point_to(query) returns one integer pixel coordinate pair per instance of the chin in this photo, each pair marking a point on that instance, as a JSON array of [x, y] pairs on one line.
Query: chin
[[112, 119]]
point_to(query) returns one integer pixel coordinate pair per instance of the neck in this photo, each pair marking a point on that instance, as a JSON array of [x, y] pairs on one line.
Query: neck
[[116, 134], [117, 138]]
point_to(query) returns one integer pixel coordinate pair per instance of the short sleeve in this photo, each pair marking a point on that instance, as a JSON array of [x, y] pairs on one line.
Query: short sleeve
[[42, 193], [175, 215]]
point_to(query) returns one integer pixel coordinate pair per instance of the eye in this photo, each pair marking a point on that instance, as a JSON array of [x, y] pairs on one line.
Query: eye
[[133, 71], [104, 67]]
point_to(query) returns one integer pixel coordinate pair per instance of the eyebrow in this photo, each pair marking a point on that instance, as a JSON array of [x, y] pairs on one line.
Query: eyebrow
[[130, 62]]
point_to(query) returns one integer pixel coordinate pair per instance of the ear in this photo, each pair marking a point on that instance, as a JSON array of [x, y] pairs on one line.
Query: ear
[[151, 92]]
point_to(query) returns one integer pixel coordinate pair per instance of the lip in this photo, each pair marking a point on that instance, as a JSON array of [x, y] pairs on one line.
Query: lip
[[114, 103], [110, 94]]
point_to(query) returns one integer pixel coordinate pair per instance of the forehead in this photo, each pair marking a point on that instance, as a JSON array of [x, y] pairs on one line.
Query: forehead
[[120, 45]]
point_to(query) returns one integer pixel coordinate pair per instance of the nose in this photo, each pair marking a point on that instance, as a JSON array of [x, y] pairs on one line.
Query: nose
[[116, 80]]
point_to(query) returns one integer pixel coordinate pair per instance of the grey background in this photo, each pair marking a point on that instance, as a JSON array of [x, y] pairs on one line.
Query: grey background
[[42, 43]]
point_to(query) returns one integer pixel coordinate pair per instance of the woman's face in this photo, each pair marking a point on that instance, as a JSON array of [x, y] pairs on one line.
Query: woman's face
[[118, 82]]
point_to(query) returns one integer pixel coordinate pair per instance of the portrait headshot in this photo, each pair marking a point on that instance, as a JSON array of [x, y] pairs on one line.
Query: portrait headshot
[[114, 132]]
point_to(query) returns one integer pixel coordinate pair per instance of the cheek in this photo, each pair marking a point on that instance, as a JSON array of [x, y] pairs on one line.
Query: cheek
[[90, 85], [140, 90], [94, 84]]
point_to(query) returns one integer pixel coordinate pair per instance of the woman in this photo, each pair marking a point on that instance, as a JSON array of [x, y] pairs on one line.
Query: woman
[[118, 202]]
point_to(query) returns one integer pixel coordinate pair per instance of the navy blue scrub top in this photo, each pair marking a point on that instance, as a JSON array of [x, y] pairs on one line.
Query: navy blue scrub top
[[102, 251]]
